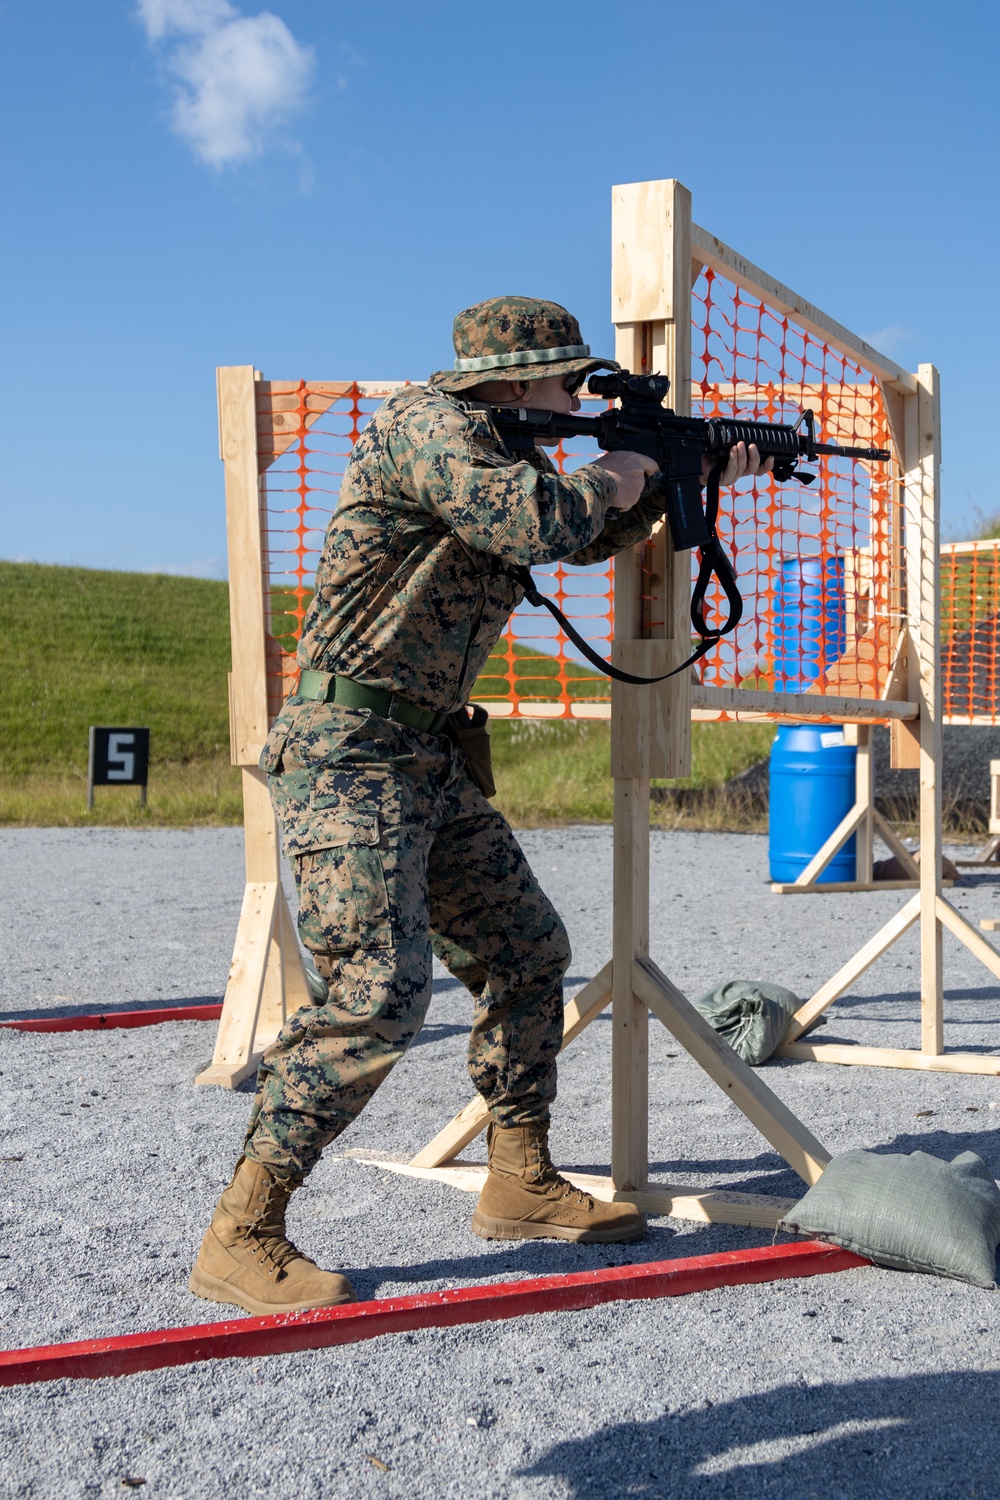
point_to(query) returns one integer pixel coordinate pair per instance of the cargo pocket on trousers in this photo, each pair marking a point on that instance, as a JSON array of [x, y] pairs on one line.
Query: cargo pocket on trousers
[[343, 902], [274, 745]]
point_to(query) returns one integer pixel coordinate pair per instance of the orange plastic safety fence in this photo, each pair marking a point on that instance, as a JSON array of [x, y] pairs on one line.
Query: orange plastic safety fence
[[970, 632], [818, 565], [532, 673]]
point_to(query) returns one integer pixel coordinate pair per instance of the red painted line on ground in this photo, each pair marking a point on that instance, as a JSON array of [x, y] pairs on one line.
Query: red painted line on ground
[[105, 1020], [289, 1332]]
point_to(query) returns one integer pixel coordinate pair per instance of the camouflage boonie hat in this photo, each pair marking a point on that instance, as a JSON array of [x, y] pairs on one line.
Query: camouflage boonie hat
[[516, 338]]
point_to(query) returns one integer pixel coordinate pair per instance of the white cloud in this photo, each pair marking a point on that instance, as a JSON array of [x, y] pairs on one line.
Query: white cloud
[[194, 16], [238, 76], [889, 339]]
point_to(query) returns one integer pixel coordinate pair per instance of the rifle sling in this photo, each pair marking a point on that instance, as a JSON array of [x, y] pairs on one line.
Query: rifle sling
[[714, 563]]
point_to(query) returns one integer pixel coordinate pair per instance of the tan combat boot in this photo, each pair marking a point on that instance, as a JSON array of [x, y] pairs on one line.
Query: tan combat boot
[[524, 1197], [246, 1258]]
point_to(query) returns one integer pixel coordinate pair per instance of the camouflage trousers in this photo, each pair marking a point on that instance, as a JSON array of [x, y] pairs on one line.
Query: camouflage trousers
[[397, 854]]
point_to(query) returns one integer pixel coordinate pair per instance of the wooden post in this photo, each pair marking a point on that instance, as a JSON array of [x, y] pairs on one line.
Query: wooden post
[[266, 972], [470, 1121], [904, 738], [651, 727], [864, 796], [629, 1015], [248, 616], [923, 595], [737, 1079]]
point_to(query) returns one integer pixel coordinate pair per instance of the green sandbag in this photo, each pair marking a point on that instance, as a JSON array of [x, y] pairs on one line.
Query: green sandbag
[[751, 1015], [914, 1213]]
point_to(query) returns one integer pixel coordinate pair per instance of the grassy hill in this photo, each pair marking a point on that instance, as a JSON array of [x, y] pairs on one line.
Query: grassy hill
[[81, 647]]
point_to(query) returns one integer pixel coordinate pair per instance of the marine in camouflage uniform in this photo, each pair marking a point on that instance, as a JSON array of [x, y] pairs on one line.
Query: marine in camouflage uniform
[[396, 853]]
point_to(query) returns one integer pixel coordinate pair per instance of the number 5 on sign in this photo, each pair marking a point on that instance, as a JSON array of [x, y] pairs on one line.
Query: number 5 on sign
[[121, 759], [118, 757]]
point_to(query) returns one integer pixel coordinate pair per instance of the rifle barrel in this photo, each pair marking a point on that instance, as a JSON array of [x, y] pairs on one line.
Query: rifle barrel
[[773, 439], [837, 450]]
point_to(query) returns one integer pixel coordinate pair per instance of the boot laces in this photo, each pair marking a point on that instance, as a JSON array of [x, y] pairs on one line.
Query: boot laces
[[266, 1231], [545, 1174]]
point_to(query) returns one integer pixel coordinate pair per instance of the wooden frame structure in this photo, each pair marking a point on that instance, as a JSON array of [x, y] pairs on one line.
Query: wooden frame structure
[[863, 820], [657, 251], [651, 736], [267, 977], [989, 855], [911, 696]]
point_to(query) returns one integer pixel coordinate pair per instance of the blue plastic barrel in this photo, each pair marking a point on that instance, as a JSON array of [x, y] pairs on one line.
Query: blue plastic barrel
[[812, 789], [810, 620]]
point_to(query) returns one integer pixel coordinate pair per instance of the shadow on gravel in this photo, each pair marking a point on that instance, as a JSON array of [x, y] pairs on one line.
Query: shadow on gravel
[[912, 997], [919, 1435], [766, 1161], [947, 1144], [555, 1258], [909, 1023], [442, 983], [769, 1174], [437, 1031]]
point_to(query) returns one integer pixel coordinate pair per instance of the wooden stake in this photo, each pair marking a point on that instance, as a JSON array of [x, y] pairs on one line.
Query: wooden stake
[[854, 968], [234, 1057], [988, 855], [858, 814], [248, 616], [843, 887], [968, 935], [890, 837], [470, 1121], [749, 703], [922, 426], [864, 795], [651, 728], [256, 993], [709, 1206], [891, 1057], [630, 1021], [297, 991], [738, 1081]]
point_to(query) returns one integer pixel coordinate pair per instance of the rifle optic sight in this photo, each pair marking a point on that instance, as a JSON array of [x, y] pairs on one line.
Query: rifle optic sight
[[622, 386]]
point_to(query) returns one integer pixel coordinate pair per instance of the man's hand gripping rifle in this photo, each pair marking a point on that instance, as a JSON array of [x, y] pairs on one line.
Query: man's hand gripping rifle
[[644, 425]]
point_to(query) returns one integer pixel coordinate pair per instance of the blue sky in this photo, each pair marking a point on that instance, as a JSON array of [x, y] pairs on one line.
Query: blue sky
[[317, 188]]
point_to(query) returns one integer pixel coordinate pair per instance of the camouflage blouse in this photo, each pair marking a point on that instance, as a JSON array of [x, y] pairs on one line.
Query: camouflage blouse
[[411, 591]]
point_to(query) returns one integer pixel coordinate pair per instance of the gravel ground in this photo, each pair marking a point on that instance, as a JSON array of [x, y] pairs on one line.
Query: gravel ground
[[111, 1161]]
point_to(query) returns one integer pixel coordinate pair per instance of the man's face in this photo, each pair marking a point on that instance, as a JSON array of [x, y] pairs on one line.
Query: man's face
[[548, 394]]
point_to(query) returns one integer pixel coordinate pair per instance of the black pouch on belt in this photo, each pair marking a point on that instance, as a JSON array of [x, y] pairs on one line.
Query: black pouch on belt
[[468, 728]]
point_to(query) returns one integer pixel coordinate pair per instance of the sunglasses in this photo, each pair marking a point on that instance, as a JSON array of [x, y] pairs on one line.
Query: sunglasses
[[574, 382]]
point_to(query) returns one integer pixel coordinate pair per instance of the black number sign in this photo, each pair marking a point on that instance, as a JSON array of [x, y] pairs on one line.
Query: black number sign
[[118, 757]]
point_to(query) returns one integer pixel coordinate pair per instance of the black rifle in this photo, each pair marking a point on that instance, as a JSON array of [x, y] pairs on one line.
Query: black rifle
[[643, 424]]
